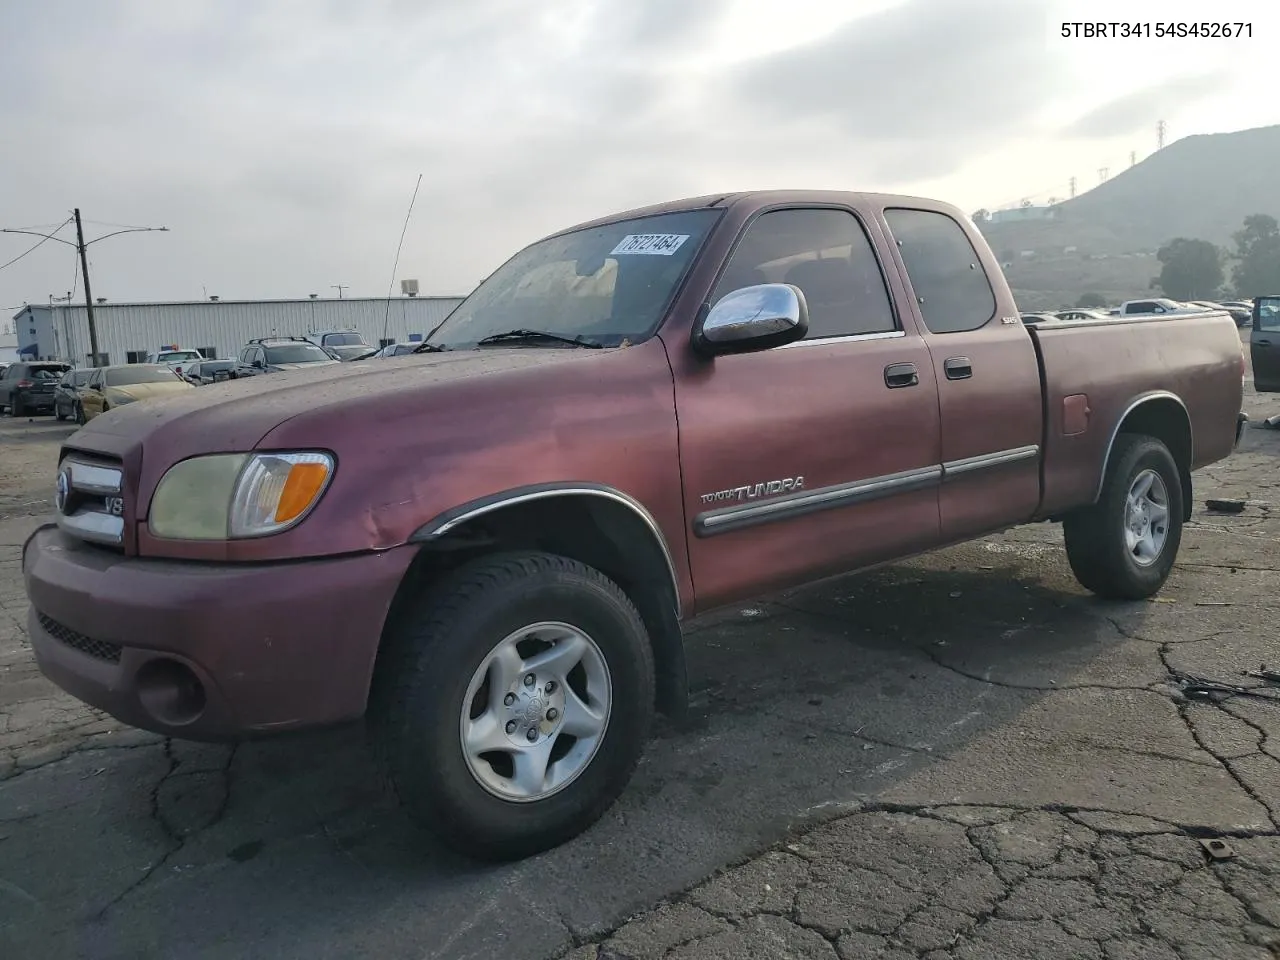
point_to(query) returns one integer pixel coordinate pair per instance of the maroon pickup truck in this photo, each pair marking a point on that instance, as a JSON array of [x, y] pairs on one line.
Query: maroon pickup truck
[[488, 547]]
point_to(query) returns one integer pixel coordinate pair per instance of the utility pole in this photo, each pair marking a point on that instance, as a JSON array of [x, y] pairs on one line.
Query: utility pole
[[1073, 187], [1102, 174], [80, 245], [339, 287], [1133, 157], [1160, 128], [88, 294]]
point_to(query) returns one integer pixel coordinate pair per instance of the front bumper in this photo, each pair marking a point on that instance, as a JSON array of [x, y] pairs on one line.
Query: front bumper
[[205, 651]]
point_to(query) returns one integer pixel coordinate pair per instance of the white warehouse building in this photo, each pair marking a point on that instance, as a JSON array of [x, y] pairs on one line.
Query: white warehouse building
[[127, 332]]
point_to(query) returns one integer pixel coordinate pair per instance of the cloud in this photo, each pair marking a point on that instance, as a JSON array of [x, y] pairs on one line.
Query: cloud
[[925, 84], [280, 140], [1133, 111]]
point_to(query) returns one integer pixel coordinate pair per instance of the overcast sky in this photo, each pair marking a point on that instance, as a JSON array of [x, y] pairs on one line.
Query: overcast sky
[[280, 140]]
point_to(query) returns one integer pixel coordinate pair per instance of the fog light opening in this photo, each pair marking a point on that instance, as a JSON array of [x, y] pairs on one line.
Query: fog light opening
[[170, 692]]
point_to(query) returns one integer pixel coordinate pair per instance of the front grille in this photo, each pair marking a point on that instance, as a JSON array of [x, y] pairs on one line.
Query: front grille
[[99, 649], [90, 499]]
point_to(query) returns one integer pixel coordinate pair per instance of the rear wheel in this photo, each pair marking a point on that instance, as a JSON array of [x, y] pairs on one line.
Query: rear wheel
[[57, 411], [79, 413], [513, 702], [1124, 546]]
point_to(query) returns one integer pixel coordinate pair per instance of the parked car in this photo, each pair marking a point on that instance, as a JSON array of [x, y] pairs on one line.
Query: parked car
[[392, 350], [176, 358], [273, 354], [1264, 344], [501, 589], [27, 387], [66, 395], [116, 386], [1081, 313], [205, 372], [1242, 315], [342, 344], [1160, 306]]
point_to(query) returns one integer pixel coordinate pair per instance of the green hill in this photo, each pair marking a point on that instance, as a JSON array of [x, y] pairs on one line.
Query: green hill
[[1199, 187]]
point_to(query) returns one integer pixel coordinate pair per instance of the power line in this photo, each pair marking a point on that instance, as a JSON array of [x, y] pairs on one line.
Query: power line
[[108, 223], [32, 249]]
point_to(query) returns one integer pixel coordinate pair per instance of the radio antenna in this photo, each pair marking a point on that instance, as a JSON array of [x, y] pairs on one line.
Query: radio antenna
[[386, 320]]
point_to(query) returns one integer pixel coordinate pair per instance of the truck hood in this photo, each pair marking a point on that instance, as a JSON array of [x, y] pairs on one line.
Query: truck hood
[[235, 415]]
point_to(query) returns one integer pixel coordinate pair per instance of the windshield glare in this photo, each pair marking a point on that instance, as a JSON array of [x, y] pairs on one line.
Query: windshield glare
[[351, 351], [296, 353], [129, 376], [609, 283]]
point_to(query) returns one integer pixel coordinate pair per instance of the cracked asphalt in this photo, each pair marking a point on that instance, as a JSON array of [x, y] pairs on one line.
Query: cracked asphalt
[[961, 756]]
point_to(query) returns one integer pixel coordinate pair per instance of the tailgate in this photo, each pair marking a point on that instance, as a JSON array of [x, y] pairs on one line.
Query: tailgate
[[1190, 362]]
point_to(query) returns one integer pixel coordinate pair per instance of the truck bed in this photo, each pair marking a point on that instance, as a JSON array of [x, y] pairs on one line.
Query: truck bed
[[1115, 364]]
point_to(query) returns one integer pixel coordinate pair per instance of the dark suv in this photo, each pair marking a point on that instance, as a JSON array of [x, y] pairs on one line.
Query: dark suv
[[27, 387], [272, 354]]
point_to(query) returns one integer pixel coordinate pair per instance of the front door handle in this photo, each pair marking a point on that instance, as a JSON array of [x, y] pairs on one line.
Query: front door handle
[[901, 375], [958, 368], [1262, 343]]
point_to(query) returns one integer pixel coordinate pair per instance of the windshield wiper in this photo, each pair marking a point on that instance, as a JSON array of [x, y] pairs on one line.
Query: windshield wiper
[[425, 347], [522, 334]]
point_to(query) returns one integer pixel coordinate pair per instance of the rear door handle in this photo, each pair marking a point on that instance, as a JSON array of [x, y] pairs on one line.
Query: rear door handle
[[901, 375], [958, 368]]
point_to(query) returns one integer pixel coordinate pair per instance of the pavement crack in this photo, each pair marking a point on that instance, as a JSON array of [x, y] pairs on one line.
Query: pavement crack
[[176, 838], [1183, 707], [937, 660]]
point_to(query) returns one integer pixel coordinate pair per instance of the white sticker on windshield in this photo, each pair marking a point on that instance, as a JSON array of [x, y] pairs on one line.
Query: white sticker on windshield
[[653, 244]]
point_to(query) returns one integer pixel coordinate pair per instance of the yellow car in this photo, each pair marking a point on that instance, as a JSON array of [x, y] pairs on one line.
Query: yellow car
[[126, 383]]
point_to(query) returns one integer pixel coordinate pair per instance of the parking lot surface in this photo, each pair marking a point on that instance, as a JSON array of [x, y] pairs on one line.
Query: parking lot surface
[[960, 756]]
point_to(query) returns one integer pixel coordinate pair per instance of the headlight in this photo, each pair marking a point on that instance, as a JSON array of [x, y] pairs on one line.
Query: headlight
[[236, 495]]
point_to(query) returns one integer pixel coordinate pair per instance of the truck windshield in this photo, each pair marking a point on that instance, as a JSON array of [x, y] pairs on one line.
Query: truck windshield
[[343, 340], [609, 283]]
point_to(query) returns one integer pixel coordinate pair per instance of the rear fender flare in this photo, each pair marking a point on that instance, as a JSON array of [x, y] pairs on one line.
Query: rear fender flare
[[1183, 458]]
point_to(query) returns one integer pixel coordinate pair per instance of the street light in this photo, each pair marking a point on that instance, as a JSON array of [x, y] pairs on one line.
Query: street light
[[80, 246]]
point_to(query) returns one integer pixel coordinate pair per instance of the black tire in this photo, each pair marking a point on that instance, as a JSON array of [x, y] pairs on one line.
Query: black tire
[[57, 412], [79, 414], [18, 409], [1095, 536], [434, 648]]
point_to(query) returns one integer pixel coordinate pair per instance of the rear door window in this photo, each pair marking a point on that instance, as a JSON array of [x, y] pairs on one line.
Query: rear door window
[[951, 288]]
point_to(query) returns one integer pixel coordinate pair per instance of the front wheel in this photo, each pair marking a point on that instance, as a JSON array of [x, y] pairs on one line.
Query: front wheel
[[513, 702], [1123, 547]]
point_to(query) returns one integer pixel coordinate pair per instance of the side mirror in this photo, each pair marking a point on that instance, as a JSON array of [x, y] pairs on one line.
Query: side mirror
[[753, 318]]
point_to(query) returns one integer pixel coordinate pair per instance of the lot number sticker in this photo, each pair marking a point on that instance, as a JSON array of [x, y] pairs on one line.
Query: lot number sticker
[[652, 244]]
